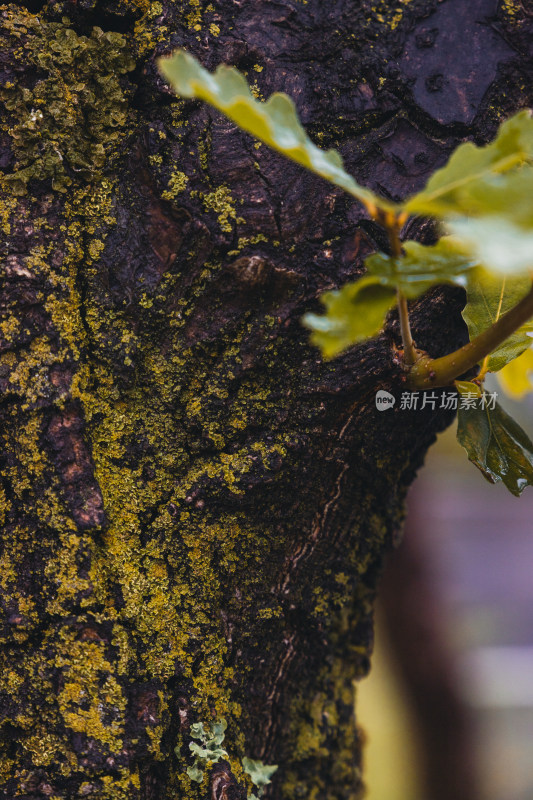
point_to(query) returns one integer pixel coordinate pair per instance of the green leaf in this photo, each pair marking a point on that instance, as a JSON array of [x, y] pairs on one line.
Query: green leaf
[[485, 196], [498, 243], [218, 730], [449, 189], [506, 195], [216, 753], [275, 122], [353, 313], [497, 445], [195, 774], [208, 753], [198, 750], [516, 378], [467, 387], [422, 267], [198, 731], [488, 297], [259, 773]]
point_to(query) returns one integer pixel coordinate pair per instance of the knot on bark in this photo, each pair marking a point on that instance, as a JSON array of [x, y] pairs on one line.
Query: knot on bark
[[224, 785]]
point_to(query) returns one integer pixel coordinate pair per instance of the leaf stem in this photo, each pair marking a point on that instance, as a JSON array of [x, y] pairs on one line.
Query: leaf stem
[[409, 351], [391, 223], [428, 373]]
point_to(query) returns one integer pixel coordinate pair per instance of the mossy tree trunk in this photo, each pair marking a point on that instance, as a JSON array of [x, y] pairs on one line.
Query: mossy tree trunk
[[194, 505]]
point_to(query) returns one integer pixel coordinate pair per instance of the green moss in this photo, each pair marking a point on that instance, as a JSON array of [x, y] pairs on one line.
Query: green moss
[[164, 423], [177, 183], [390, 14], [149, 29], [89, 704], [73, 117]]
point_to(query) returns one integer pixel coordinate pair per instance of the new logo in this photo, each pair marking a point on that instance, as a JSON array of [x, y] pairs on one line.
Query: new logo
[[384, 400]]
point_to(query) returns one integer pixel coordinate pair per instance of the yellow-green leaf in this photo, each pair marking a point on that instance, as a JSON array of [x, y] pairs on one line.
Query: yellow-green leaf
[[497, 445], [498, 243], [447, 191], [467, 387], [259, 773], [516, 378], [488, 297], [485, 197], [353, 313], [275, 122], [506, 195], [422, 267], [195, 774], [499, 225]]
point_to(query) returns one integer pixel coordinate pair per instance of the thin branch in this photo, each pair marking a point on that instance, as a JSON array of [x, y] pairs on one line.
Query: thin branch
[[428, 373], [391, 224], [409, 351]]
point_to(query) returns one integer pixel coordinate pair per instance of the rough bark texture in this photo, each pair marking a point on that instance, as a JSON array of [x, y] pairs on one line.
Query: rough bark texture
[[195, 505]]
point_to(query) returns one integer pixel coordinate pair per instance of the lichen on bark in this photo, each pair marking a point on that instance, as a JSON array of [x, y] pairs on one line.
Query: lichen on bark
[[194, 506]]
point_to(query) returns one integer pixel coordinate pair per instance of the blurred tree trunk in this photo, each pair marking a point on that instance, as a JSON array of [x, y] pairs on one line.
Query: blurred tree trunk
[[194, 505], [413, 617]]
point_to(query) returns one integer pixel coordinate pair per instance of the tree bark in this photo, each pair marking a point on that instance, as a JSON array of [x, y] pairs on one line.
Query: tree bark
[[194, 505]]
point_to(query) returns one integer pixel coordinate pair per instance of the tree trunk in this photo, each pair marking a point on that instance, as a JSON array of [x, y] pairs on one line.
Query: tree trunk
[[195, 506], [413, 620]]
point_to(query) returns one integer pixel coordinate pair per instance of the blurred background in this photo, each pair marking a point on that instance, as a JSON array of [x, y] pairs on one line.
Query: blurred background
[[447, 711]]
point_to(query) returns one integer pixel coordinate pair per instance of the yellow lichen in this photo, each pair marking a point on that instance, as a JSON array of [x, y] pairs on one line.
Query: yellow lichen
[[177, 183], [222, 203]]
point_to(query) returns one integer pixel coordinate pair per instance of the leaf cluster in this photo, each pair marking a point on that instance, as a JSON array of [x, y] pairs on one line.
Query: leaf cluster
[[495, 443], [206, 747], [482, 199]]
